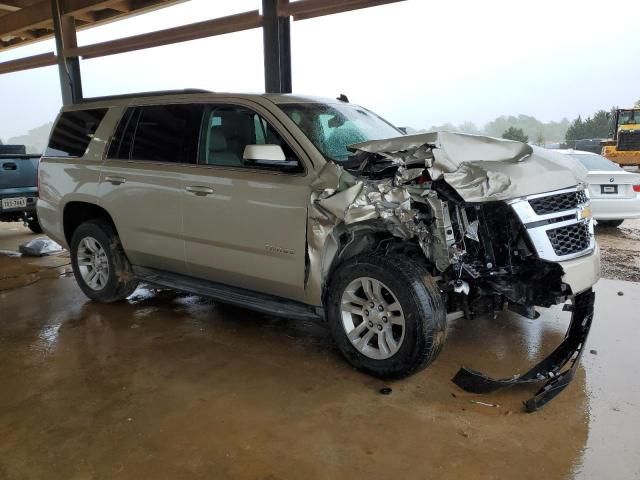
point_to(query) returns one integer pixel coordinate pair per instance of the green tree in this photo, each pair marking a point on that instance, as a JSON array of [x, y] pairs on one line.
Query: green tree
[[513, 133], [600, 124], [597, 126], [531, 126], [637, 104], [540, 140], [576, 130]]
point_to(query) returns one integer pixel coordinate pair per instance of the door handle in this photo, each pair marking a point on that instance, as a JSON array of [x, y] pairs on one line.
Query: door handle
[[114, 180], [199, 190], [9, 166]]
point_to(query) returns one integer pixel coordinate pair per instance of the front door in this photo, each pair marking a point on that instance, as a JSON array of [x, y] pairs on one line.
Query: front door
[[243, 225]]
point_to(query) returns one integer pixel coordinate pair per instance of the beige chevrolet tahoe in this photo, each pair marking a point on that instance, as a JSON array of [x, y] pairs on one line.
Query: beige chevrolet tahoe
[[314, 208]]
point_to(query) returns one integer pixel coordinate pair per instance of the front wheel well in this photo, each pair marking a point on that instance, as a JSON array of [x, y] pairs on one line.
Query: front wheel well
[[368, 239], [76, 213]]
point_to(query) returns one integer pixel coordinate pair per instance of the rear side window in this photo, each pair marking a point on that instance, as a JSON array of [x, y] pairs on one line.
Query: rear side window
[[158, 133], [73, 132], [168, 133], [120, 146], [596, 162]]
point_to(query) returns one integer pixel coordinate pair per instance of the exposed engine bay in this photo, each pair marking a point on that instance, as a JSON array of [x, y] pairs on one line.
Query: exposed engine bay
[[474, 208], [481, 249]]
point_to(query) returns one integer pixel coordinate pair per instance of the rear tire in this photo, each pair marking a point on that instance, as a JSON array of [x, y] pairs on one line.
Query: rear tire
[[408, 312], [99, 263], [610, 223]]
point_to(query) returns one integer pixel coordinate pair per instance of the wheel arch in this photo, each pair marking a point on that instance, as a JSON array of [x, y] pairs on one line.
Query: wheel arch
[[347, 241], [75, 213]]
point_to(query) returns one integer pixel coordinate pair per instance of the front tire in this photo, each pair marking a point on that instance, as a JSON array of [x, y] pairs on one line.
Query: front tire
[[610, 223], [386, 314], [99, 263]]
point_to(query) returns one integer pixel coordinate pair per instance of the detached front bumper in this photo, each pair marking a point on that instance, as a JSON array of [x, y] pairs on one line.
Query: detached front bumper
[[583, 272], [552, 369]]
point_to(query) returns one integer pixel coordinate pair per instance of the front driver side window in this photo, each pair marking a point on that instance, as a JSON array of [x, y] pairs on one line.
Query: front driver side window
[[227, 130]]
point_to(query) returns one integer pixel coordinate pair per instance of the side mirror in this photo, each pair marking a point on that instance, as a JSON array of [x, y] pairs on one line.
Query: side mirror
[[268, 156]]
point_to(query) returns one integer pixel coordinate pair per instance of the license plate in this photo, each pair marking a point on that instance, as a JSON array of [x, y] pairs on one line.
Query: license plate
[[19, 202], [609, 189]]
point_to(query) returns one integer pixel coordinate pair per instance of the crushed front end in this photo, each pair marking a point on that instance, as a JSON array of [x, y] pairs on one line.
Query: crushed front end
[[513, 255], [501, 225]]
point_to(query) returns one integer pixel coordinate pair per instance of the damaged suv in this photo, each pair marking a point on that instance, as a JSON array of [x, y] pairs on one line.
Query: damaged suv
[[319, 209]]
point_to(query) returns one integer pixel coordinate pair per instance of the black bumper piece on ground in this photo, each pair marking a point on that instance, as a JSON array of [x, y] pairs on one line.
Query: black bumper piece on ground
[[550, 369]]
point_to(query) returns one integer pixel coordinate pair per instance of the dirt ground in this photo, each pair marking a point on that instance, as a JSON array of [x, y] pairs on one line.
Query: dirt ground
[[171, 386], [620, 251]]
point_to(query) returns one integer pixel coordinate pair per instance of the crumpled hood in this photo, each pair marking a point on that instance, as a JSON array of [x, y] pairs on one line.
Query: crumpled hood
[[481, 168]]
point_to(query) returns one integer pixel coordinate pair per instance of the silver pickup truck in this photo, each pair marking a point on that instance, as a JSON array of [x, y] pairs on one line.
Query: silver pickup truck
[[319, 209], [18, 186]]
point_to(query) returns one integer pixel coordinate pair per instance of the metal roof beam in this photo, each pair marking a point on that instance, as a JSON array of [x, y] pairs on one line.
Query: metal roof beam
[[14, 5], [8, 8], [39, 14], [26, 18], [123, 6], [69, 7], [19, 3], [304, 9], [194, 31], [26, 63]]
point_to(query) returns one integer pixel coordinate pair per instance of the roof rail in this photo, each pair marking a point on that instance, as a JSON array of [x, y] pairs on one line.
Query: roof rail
[[158, 93]]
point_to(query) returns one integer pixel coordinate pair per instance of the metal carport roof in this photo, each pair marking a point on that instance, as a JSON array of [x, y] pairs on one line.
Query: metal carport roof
[[26, 21]]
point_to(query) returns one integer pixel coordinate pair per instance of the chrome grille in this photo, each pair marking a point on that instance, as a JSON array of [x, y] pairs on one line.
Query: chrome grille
[[558, 203], [570, 239], [556, 225]]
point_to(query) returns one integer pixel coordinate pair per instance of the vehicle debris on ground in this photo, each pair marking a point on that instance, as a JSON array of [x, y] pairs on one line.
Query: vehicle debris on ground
[[40, 247]]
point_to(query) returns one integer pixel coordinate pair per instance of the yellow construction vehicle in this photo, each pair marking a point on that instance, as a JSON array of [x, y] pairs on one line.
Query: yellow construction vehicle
[[624, 147]]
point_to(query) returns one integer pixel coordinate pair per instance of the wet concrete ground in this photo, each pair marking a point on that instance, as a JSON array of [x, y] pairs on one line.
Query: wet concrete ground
[[621, 251], [172, 386]]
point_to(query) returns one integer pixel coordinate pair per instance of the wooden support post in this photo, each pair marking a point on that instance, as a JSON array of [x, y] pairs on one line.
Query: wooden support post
[[69, 67]]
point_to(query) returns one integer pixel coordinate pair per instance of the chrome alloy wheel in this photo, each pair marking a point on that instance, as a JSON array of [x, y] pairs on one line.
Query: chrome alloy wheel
[[93, 263], [372, 318]]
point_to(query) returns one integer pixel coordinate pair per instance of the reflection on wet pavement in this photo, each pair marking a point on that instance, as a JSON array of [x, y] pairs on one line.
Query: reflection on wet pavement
[[169, 385], [17, 271]]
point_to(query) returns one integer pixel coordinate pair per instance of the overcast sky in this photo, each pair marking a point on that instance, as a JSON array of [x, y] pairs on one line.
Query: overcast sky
[[417, 63]]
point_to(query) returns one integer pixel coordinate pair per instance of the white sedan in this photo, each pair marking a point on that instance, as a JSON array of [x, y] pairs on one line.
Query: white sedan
[[615, 193]]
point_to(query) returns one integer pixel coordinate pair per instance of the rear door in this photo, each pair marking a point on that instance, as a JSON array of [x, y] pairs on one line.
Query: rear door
[[141, 181], [243, 225]]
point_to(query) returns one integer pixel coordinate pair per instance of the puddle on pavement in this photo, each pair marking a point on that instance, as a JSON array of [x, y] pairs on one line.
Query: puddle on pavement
[[184, 369], [19, 271], [168, 385], [16, 272]]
